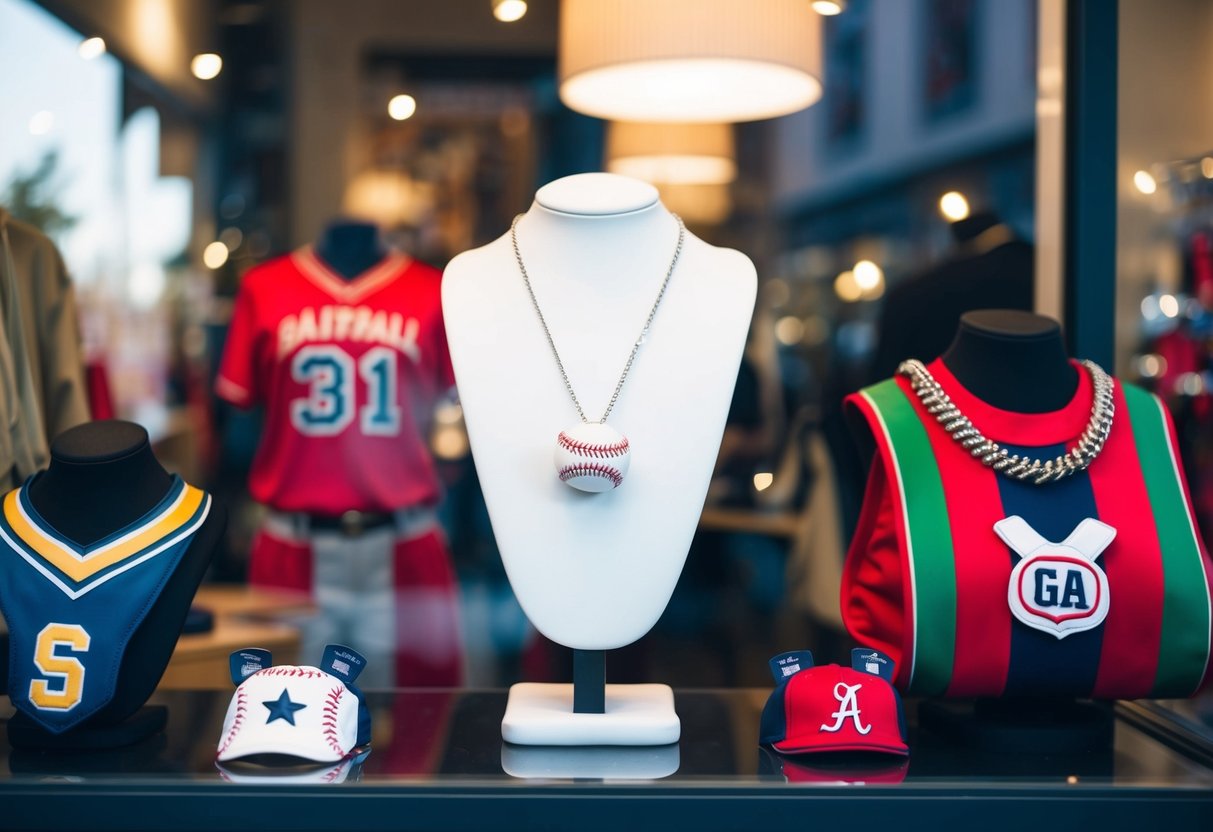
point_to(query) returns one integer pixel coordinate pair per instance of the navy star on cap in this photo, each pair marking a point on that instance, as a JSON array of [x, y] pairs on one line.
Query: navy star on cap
[[283, 708]]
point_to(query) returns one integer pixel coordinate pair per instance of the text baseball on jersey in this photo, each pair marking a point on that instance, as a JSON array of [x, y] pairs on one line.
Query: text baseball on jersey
[[359, 324]]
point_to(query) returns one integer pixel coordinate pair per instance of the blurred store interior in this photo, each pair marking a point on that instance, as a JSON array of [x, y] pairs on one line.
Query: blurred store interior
[[168, 146]]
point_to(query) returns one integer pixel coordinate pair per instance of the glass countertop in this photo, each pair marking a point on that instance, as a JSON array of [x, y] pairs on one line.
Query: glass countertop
[[443, 748]]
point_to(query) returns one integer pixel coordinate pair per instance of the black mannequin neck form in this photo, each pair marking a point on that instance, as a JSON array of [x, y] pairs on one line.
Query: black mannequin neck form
[[350, 247], [1012, 360], [102, 477]]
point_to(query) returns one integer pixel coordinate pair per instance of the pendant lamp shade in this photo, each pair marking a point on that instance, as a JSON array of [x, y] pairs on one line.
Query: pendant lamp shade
[[689, 60], [698, 204], [685, 154]]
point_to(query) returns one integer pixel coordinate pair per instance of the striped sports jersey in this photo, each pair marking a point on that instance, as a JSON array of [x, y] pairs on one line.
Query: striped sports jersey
[[1108, 597], [72, 609]]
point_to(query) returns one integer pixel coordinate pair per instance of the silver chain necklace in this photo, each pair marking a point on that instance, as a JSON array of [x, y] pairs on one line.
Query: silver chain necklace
[[593, 456], [992, 455]]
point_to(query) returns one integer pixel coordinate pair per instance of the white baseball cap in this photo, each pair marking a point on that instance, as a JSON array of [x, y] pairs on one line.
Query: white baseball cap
[[293, 710], [349, 768]]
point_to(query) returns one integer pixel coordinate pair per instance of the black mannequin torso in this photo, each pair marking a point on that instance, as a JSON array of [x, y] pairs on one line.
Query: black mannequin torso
[[99, 480], [1009, 359], [1013, 360], [103, 476], [350, 247]]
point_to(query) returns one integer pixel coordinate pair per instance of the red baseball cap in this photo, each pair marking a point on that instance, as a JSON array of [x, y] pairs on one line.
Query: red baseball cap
[[833, 708], [836, 769]]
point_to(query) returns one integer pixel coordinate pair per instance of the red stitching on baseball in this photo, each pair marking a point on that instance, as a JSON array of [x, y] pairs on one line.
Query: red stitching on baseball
[[591, 469], [603, 450], [287, 670], [329, 720], [237, 720]]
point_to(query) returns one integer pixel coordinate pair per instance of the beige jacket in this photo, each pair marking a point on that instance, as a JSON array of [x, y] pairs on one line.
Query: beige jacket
[[41, 336]]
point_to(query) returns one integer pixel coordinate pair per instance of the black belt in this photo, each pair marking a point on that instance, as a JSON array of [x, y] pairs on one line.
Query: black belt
[[351, 523]]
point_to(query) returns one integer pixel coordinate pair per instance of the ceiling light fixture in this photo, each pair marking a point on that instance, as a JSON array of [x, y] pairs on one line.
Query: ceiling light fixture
[[639, 60], [678, 154]]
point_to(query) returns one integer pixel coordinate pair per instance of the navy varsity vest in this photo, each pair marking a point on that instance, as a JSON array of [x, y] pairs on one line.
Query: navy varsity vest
[[71, 610]]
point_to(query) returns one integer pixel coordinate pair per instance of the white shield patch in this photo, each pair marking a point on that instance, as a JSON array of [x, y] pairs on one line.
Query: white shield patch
[[1058, 588]]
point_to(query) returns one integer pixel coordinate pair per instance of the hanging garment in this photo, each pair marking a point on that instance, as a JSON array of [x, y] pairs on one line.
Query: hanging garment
[[52, 328], [24, 448]]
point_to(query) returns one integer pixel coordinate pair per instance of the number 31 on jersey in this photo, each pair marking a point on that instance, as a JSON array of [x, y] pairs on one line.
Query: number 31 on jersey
[[331, 374]]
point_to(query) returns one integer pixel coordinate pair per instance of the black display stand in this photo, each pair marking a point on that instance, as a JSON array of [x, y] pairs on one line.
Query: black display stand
[[103, 476], [589, 681]]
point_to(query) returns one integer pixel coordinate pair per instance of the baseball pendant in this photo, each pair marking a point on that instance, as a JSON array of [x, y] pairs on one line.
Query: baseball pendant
[[592, 457]]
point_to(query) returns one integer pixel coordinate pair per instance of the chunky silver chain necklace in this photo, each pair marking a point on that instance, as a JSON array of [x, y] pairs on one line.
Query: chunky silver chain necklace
[[993, 455], [593, 456]]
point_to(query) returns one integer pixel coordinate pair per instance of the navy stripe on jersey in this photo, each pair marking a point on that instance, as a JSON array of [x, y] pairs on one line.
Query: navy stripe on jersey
[[1042, 664]]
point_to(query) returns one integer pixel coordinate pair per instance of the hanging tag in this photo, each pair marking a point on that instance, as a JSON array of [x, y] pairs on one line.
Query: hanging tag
[[786, 665], [244, 663], [872, 661], [343, 662]]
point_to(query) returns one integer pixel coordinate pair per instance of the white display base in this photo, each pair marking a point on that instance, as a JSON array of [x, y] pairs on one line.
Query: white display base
[[589, 762], [540, 714]]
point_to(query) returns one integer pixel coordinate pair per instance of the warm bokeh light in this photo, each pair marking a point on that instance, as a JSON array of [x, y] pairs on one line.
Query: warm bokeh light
[[1144, 182], [954, 206], [1149, 307], [846, 288], [1169, 305], [402, 107], [828, 8], [1206, 167], [449, 442], [214, 255], [1151, 365], [507, 11], [1190, 384], [41, 123], [91, 48], [789, 330], [206, 66], [867, 275], [762, 481]]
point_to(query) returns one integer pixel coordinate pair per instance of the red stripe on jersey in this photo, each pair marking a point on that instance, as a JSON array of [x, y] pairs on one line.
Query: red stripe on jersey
[[877, 598], [1133, 562], [983, 630]]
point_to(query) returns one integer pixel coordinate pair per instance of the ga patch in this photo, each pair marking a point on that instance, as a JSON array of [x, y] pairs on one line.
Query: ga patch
[[1058, 588]]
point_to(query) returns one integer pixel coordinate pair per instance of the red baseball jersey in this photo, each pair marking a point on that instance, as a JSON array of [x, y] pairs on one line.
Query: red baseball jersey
[[349, 372]]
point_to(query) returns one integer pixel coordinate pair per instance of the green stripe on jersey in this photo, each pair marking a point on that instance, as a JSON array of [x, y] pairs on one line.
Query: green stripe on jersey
[[1184, 651], [929, 537]]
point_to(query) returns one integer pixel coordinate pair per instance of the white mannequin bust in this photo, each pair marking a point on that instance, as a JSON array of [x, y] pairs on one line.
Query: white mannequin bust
[[595, 571]]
